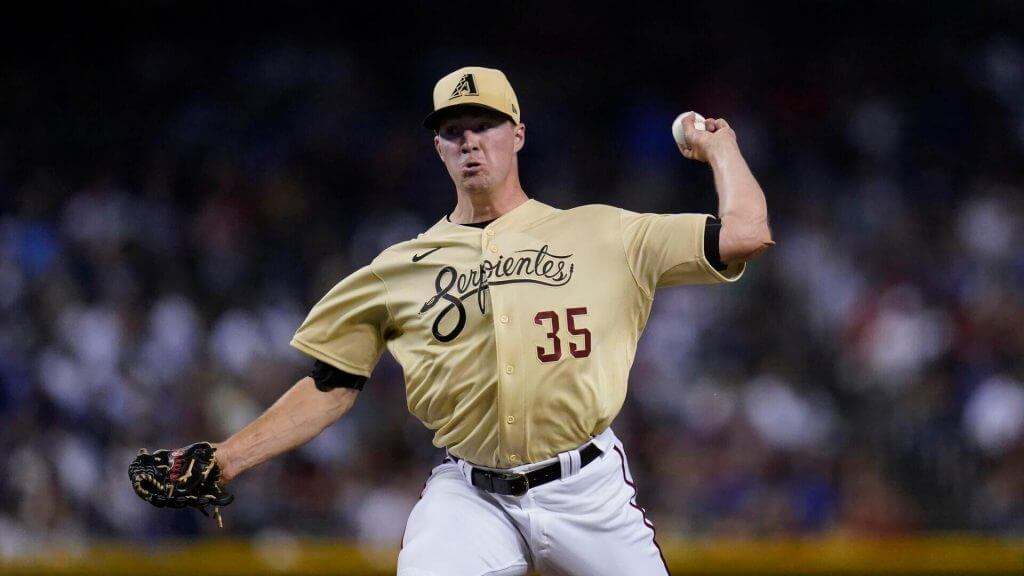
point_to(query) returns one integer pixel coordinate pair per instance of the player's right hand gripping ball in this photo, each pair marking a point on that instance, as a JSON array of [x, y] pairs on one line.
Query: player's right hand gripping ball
[[185, 477], [677, 127]]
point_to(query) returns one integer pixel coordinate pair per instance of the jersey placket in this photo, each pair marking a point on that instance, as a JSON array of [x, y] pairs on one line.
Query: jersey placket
[[507, 343]]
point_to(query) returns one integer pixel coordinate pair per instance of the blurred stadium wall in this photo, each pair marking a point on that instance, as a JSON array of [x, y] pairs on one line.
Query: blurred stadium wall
[[960, 555]]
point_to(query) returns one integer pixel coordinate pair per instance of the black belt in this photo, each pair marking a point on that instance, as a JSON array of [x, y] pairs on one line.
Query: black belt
[[516, 484]]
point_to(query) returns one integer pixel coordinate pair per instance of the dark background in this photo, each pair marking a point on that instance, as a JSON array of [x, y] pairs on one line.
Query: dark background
[[179, 183]]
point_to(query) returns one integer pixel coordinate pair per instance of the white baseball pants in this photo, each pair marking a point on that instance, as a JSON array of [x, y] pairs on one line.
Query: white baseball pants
[[585, 524]]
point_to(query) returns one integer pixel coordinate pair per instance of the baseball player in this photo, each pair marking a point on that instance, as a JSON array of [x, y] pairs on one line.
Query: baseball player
[[515, 324]]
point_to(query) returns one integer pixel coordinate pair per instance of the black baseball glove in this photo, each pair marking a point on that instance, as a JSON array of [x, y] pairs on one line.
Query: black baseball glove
[[186, 477]]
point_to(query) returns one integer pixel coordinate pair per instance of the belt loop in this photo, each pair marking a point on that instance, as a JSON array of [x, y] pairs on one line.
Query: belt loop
[[467, 471], [575, 462], [605, 440], [566, 461]]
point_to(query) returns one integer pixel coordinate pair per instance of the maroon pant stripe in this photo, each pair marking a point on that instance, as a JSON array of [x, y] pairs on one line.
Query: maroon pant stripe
[[643, 513]]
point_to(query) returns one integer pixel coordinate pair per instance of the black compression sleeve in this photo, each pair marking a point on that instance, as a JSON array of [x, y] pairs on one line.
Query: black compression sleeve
[[328, 377], [712, 250]]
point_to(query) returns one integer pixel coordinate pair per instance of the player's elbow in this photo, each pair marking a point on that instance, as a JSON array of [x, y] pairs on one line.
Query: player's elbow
[[745, 242], [338, 402], [321, 408]]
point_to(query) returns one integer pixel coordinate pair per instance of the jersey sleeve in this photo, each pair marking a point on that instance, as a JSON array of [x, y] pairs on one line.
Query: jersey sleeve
[[346, 327], [668, 250]]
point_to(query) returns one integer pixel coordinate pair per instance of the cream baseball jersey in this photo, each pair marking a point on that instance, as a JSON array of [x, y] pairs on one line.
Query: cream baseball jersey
[[516, 340]]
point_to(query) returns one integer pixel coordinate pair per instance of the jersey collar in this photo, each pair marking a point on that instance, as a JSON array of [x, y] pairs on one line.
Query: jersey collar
[[519, 216]]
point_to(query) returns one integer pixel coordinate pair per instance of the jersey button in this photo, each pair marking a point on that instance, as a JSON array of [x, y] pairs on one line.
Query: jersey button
[[514, 458], [490, 232], [494, 249], [504, 319], [510, 419], [508, 369]]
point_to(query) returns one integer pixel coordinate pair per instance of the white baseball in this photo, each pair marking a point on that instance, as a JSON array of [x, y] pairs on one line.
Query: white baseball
[[677, 127]]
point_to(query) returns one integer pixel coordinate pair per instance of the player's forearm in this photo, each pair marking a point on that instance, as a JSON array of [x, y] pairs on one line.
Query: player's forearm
[[741, 207], [296, 418]]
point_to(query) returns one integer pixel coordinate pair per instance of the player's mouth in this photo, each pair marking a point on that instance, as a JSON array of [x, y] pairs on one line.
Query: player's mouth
[[472, 167]]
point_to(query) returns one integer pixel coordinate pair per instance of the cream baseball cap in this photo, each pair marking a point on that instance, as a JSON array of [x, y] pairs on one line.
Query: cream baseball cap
[[474, 86]]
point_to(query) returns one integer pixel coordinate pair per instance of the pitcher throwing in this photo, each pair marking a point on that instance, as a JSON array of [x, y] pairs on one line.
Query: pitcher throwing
[[515, 324]]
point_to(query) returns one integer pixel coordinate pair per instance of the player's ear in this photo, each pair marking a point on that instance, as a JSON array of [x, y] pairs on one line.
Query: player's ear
[[519, 134], [437, 145]]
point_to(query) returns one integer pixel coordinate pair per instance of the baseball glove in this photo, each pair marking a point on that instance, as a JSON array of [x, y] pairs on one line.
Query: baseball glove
[[186, 477]]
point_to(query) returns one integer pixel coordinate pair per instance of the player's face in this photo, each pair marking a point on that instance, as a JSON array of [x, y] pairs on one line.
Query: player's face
[[478, 148]]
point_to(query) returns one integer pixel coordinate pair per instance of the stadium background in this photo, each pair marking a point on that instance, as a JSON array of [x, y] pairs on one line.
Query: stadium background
[[179, 183]]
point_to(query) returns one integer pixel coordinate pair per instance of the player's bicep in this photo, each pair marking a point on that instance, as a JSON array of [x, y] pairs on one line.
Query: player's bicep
[[742, 243]]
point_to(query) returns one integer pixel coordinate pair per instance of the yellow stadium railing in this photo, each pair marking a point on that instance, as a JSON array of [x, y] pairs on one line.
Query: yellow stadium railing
[[940, 555]]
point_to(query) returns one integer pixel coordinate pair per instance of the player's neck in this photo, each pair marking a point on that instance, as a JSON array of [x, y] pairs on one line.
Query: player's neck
[[488, 205]]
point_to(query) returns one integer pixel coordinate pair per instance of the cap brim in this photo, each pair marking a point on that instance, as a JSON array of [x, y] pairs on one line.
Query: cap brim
[[433, 120]]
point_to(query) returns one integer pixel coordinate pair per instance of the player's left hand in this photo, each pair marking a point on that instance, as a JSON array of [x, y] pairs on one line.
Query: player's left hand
[[186, 477], [704, 145]]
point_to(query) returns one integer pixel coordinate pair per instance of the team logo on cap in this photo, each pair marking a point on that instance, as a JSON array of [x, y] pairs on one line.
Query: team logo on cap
[[465, 87]]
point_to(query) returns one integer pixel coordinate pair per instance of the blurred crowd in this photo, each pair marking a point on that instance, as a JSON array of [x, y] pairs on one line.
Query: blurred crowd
[[171, 210]]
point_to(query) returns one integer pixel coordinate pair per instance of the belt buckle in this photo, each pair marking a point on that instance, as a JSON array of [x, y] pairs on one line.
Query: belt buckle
[[517, 484]]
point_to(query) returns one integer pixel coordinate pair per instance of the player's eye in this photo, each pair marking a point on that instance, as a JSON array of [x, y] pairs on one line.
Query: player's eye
[[483, 126]]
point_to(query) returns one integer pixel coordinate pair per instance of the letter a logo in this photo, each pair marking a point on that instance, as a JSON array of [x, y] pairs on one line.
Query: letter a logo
[[465, 87]]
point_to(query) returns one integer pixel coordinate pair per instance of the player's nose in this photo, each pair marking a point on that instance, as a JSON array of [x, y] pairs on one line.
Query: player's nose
[[470, 141]]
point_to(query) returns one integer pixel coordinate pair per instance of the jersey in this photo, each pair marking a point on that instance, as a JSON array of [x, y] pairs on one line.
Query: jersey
[[516, 339]]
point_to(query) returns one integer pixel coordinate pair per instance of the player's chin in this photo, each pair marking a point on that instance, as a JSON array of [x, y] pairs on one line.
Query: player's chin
[[475, 183]]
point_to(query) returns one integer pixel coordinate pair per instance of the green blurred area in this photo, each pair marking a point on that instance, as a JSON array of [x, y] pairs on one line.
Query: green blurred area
[[936, 555]]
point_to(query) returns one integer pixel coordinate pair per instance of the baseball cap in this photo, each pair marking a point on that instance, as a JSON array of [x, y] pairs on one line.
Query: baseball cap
[[477, 87]]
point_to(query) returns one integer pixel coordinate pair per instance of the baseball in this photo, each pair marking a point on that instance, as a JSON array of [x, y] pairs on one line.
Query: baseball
[[677, 127]]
